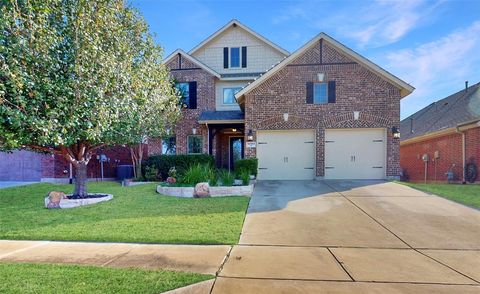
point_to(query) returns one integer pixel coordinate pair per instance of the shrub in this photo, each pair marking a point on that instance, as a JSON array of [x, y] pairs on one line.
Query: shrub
[[244, 175], [199, 173], [248, 164], [151, 173], [181, 162], [226, 177]]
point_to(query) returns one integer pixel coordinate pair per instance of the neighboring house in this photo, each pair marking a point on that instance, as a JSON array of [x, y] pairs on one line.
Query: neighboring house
[[442, 137], [322, 112]]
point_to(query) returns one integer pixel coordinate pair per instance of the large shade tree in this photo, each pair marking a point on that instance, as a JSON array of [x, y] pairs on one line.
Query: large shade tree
[[75, 76]]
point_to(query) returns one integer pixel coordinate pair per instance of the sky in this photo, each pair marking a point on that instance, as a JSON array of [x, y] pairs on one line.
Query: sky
[[432, 45]]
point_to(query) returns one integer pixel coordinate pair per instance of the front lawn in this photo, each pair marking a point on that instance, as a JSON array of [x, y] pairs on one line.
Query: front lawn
[[136, 214], [465, 194], [55, 278]]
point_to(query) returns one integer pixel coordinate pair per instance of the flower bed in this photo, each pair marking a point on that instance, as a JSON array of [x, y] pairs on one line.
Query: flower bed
[[71, 203], [221, 191]]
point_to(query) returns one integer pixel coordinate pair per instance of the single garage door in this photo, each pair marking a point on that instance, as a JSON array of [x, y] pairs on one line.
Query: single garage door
[[286, 155], [20, 166], [355, 153]]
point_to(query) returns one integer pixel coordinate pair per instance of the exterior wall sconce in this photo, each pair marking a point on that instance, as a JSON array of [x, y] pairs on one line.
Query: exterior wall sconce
[[395, 133], [285, 116], [250, 135], [194, 131], [321, 77]]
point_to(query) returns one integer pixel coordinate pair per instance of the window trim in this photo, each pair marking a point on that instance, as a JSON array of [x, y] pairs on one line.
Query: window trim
[[223, 95], [326, 92], [239, 58], [191, 136]]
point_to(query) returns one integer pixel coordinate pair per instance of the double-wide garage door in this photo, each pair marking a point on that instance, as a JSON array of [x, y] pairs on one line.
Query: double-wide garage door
[[20, 165], [286, 155], [349, 154]]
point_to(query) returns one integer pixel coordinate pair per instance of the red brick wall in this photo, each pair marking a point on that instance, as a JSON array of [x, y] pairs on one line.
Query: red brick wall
[[190, 72], [357, 89], [449, 148]]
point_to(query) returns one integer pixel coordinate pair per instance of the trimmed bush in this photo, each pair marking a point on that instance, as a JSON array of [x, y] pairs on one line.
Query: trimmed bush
[[247, 164], [199, 173], [181, 162], [226, 177], [151, 173]]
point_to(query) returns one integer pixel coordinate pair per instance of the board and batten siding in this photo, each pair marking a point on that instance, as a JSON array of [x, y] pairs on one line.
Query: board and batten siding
[[260, 55]]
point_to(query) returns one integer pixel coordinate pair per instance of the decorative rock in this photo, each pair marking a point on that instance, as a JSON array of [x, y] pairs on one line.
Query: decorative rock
[[54, 198], [202, 190], [171, 180]]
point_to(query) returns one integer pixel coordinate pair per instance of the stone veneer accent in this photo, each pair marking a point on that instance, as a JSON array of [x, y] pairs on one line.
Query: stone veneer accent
[[357, 89]]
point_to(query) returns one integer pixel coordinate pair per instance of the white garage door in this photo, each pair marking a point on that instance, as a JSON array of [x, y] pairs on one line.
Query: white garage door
[[286, 155], [355, 153]]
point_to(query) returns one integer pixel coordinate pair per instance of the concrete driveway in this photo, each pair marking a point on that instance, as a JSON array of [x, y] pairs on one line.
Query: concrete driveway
[[353, 237]]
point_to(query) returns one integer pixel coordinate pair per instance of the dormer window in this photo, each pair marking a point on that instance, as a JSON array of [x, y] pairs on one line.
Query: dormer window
[[235, 57]]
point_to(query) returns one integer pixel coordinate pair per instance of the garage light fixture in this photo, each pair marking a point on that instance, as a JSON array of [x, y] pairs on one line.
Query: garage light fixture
[[194, 131], [285, 116], [250, 135], [395, 133]]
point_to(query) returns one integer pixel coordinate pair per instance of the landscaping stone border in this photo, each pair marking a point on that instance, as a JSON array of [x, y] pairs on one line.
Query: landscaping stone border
[[214, 191], [71, 203]]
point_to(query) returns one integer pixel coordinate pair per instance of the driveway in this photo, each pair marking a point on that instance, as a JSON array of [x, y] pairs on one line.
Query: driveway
[[353, 237]]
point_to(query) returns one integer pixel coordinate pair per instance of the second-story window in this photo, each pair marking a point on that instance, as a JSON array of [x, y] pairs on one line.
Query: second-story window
[[235, 57], [320, 93], [188, 94], [229, 95]]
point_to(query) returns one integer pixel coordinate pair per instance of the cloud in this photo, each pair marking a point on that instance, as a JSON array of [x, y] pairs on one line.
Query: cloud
[[375, 24], [435, 68]]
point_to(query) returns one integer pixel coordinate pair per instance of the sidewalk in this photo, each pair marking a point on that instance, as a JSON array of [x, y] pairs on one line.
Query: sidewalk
[[187, 258]]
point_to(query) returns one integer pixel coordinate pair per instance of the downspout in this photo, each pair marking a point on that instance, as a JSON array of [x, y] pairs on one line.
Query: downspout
[[208, 138], [463, 153]]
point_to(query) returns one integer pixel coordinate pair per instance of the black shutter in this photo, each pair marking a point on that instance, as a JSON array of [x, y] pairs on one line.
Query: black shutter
[[244, 56], [225, 57], [192, 95], [331, 92], [309, 93]]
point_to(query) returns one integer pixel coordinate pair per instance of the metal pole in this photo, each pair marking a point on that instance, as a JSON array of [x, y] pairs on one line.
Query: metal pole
[[101, 168]]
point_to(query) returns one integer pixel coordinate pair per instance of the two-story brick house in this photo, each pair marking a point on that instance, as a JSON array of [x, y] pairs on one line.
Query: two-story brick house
[[323, 111]]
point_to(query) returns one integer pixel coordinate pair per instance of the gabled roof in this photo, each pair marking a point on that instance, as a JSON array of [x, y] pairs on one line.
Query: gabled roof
[[191, 59], [235, 22], [446, 114], [405, 88]]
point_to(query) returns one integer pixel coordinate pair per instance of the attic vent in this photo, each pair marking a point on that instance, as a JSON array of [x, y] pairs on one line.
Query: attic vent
[[446, 103]]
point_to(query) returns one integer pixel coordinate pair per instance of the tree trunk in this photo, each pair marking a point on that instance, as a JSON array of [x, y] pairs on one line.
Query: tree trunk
[[80, 180], [137, 157]]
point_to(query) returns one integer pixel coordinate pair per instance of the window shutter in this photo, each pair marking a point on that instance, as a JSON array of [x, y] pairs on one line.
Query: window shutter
[[331, 92], [192, 95], [225, 57], [244, 56], [309, 92]]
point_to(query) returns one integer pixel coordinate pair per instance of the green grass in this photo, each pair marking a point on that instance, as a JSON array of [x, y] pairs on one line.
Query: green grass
[[136, 214], [54, 278], [465, 194]]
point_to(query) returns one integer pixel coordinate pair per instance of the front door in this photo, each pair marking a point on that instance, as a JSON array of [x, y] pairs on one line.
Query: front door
[[236, 150]]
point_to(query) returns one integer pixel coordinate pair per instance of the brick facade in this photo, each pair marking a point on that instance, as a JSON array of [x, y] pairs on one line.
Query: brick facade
[[450, 156], [357, 89], [182, 70]]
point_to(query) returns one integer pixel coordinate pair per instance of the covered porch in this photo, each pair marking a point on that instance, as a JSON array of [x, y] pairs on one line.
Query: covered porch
[[226, 136]]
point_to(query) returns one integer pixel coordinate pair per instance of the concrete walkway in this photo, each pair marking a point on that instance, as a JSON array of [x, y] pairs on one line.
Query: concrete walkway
[[353, 237], [187, 258]]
